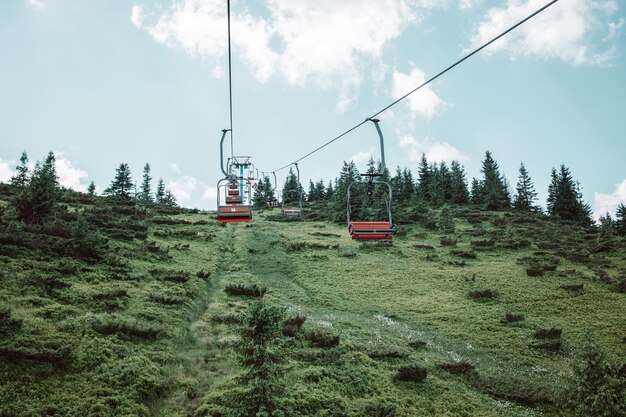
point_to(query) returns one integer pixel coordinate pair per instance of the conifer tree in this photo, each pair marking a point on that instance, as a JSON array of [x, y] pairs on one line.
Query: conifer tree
[[408, 185], [620, 220], [20, 179], [91, 189], [565, 198], [320, 191], [458, 184], [526, 194], [330, 191], [259, 199], [36, 202], [495, 194], [145, 194], [169, 199], [160, 191], [312, 195], [423, 177], [291, 188], [476, 192], [349, 174], [122, 185], [437, 186]]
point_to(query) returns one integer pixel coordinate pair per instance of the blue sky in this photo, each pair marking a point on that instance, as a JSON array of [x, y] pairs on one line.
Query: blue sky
[[101, 82]]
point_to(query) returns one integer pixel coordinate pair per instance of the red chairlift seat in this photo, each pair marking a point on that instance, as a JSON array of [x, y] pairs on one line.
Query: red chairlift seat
[[371, 230], [234, 199], [233, 191], [231, 214]]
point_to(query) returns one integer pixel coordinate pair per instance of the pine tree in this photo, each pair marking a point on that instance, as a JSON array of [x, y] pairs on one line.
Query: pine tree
[[495, 195], [565, 198], [620, 220], [260, 336], [423, 179], [160, 191], [349, 174], [437, 186], [169, 199], [408, 185], [476, 193], [320, 190], [291, 188], [458, 184], [526, 194], [21, 176], [330, 191], [145, 194], [91, 189], [122, 185], [36, 202], [312, 195]]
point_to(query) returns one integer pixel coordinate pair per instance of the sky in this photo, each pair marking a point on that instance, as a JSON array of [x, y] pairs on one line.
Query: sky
[[102, 82]]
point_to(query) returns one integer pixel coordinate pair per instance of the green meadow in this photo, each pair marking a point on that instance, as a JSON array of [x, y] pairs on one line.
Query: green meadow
[[126, 310]]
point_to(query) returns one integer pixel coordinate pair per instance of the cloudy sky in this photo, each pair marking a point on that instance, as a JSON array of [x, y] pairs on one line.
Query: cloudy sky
[[101, 82]]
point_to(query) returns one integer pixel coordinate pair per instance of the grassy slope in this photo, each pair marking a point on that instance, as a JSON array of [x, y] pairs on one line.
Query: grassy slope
[[377, 297]]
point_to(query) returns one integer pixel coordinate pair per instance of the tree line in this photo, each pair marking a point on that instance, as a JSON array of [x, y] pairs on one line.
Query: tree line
[[39, 191], [439, 184]]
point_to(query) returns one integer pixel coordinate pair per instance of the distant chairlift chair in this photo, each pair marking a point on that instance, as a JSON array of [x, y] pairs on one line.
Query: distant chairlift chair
[[376, 230]]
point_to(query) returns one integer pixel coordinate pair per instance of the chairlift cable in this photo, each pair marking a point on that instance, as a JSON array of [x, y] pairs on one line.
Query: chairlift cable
[[422, 85]]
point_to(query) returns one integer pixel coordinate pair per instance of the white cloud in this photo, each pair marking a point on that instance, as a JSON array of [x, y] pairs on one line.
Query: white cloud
[[6, 170], [423, 102], [175, 168], [608, 202], [210, 195], [69, 175], [614, 29], [36, 4], [566, 30], [136, 15], [183, 188], [334, 45], [467, 4], [362, 156], [435, 151]]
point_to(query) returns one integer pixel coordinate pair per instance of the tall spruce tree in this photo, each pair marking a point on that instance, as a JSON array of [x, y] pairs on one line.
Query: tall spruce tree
[[476, 192], [349, 174], [495, 195], [458, 184], [620, 220], [423, 179], [565, 198], [91, 189], [312, 195], [160, 191], [122, 185], [20, 179], [320, 191], [526, 195], [291, 188], [36, 202], [145, 195]]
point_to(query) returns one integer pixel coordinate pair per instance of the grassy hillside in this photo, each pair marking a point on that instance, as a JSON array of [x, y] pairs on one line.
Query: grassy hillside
[[127, 310]]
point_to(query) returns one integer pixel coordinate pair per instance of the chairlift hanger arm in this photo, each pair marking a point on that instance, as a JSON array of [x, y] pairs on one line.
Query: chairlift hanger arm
[[224, 131]]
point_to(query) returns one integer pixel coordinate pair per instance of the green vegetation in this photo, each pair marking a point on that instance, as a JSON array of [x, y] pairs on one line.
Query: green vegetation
[[125, 306]]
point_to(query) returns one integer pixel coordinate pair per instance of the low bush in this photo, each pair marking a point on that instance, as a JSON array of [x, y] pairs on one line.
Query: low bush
[[322, 339], [203, 274], [448, 241], [8, 324], [550, 345], [463, 254], [413, 373], [380, 409], [112, 324], [483, 244], [573, 287], [252, 290], [534, 271], [167, 299], [553, 333], [385, 351], [512, 318], [417, 344], [457, 368], [170, 275], [292, 325]]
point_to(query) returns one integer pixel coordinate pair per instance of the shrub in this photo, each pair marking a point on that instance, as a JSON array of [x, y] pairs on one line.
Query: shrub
[[203, 274], [8, 324], [411, 373], [483, 244], [112, 324], [294, 247], [322, 339], [245, 290], [621, 287], [386, 352], [417, 344], [423, 246], [448, 241], [170, 275], [595, 387], [483, 294], [379, 409], [292, 325], [553, 333], [457, 368], [167, 299], [550, 345], [512, 318], [534, 271]]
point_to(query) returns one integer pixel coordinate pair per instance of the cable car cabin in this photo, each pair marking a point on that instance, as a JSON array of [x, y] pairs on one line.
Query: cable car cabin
[[371, 230], [230, 214]]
